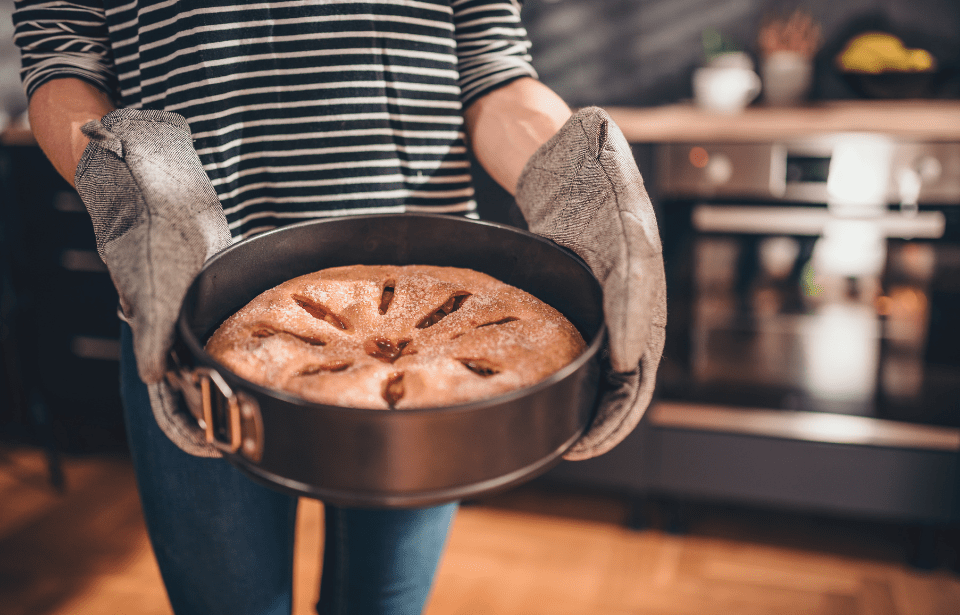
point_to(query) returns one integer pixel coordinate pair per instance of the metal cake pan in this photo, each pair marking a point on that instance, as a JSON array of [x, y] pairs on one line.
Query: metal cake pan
[[389, 458]]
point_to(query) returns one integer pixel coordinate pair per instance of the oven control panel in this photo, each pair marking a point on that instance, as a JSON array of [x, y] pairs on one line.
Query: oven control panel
[[816, 170]]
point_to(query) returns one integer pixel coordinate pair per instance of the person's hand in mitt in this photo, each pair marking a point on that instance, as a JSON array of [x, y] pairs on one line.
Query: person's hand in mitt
[[583, 190], [157, 219]]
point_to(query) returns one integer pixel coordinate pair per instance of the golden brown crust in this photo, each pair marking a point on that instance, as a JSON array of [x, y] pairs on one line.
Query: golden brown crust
[[388, 336]]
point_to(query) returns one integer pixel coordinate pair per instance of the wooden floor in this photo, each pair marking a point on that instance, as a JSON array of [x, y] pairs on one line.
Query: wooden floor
[[529, 552]]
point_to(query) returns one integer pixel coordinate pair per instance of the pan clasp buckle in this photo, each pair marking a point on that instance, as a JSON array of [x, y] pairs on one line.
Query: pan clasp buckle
[[231, 420]]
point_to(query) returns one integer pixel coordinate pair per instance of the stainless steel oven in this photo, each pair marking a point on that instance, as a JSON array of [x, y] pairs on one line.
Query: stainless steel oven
[[815, 276], [813, 344]]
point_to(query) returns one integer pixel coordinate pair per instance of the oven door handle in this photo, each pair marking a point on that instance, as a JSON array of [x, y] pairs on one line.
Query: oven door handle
[[781, 220]]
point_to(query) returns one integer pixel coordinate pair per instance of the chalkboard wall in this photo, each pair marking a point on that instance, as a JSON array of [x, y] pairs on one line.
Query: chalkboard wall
[[642, 52]]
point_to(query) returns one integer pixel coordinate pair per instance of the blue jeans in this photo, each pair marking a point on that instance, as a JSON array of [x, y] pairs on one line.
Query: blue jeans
[[224, 544]]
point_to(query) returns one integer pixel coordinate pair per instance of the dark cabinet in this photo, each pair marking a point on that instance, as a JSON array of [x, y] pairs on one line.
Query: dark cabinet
[[60, 379]]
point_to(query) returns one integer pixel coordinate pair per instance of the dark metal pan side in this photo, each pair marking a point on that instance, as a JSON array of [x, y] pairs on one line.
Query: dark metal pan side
[[362, 457]]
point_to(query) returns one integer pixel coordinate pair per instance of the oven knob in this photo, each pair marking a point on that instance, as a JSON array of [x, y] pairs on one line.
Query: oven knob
[[928, 167], [719, 169]]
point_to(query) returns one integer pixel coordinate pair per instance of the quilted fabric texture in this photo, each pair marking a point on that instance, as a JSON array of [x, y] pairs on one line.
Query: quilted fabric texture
[[583, 190], [157, 219]]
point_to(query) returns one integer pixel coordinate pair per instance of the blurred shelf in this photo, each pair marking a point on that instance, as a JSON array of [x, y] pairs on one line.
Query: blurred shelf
[[928, 120], [16, 135]]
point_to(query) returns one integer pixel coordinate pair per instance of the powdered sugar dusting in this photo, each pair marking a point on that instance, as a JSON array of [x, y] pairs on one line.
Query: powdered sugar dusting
[[276, 342]]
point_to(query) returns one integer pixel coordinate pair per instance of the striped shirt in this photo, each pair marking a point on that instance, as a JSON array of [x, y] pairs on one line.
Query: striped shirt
[[299, 108]]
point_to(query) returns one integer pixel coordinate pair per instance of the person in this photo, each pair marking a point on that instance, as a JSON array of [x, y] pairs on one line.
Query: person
[[186, 127]]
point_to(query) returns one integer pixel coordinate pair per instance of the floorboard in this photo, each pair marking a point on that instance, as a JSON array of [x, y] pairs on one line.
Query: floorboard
[[534, 550]]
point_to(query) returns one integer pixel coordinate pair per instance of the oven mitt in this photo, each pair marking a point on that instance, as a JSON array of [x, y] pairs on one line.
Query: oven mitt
[[157, 219], [583, 190]]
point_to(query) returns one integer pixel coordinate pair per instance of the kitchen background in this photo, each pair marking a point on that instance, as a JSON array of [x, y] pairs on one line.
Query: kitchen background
[[640, 53], [865, 454], [623, 52], [613, 53], [57, 387]]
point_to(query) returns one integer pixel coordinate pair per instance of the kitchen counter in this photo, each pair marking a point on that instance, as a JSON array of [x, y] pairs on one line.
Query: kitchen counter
[[16, 135], [927, 120]]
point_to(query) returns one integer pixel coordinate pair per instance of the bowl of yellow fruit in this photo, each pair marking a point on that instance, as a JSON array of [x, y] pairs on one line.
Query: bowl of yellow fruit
[[880, 65]]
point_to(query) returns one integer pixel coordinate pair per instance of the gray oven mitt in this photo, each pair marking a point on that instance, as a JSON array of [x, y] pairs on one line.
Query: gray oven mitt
[[157, 219], [583, 190]]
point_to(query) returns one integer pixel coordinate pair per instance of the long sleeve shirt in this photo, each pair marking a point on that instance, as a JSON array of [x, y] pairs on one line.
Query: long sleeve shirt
[[299, 109]]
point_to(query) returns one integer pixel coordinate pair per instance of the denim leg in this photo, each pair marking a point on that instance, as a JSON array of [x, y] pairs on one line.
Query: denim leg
[[381, 561], [224, 544]]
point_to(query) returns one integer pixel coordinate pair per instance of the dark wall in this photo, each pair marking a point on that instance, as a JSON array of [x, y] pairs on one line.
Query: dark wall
[[643, 52]]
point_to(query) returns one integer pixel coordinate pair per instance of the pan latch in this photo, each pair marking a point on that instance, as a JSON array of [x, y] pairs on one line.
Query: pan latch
[[231, 420]]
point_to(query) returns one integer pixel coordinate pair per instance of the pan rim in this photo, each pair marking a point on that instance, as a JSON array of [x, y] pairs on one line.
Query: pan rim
[[594, 346]]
